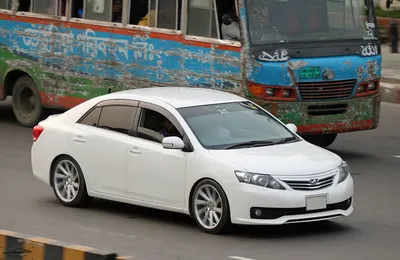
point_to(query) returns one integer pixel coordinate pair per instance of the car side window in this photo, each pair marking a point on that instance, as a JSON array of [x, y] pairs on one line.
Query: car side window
[[117, 118], [92, 118], [154, 126]]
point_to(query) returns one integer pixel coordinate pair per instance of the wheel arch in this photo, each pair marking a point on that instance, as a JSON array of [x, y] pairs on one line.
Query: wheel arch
[[11, 77], [194, 187]]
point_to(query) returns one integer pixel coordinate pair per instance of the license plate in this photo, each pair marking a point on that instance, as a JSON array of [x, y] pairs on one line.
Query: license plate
[[310, 73], [317, 202]]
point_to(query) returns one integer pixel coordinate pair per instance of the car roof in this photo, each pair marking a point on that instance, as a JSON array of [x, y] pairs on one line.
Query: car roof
[[179, 97]]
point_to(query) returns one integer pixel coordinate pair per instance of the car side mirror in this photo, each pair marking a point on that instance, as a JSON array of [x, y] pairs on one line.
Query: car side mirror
[[292, 127], [173, 142]]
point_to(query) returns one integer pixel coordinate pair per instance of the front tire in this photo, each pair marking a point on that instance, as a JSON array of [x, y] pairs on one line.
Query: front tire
[[26, 103], [210, 207], [323, 140], [68, 183]]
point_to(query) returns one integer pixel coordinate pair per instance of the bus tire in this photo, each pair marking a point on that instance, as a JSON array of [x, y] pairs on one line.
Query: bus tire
[[323, 140], [26, 103]]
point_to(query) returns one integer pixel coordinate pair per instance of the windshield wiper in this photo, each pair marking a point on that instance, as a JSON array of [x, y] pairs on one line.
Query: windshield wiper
[[250, 144], [261, 143], [286, 140]]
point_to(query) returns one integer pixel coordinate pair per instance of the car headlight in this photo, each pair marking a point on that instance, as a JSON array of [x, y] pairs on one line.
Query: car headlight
[[343, 172], [263, 180]]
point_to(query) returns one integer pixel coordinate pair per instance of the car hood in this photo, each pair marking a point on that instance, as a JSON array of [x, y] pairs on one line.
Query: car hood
[[299, 158]]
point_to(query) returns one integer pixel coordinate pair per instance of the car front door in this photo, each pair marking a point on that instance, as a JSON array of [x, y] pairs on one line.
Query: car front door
[[99, 143], [154, 174]]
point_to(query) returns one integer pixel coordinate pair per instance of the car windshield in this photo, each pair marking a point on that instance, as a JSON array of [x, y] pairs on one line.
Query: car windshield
[[288, 21], [227, 125]]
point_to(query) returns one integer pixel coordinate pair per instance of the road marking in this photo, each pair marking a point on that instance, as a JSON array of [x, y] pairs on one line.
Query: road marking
[[240, 258], [396, 156], [90, 229]]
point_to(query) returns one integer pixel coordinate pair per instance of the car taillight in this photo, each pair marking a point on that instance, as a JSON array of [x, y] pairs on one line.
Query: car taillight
[[37, 131]]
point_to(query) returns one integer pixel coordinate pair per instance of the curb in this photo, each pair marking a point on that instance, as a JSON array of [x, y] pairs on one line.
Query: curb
[[390, 92], [16, 246]]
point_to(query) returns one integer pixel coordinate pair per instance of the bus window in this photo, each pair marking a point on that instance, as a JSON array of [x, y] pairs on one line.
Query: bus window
[[230, 29], [202, 19], [156, 13], [62, 7], [98, 10], [45, 7], [77, 9], [167, 15], [138, 12], [24, 6], [5, 4], [117, 11], [345, 15]]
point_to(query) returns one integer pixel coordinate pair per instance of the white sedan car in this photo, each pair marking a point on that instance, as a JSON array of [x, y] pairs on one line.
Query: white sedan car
[[213, 155]]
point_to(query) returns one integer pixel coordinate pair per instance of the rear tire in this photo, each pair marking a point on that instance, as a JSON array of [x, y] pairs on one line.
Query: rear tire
[[26, 103], [68, 183], [323, 140], [208, 200]]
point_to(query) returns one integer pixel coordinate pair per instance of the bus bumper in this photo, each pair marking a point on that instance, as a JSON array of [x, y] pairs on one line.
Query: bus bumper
[[328, 117]]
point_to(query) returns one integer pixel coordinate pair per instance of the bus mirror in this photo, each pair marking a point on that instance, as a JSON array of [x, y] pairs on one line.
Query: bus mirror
[[388, 3]]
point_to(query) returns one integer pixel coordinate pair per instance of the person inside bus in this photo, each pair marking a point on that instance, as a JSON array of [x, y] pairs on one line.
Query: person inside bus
[[230, 27], [117, 11], [145, 20]]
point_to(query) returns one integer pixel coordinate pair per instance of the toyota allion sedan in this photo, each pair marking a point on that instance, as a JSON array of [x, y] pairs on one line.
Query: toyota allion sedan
[[215, 156]]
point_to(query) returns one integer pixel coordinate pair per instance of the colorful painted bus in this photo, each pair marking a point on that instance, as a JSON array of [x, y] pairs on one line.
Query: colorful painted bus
[[314, 63]]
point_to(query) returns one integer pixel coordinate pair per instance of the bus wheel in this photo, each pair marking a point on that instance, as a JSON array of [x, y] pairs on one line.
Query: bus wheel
[[26, 102], [323, 140]]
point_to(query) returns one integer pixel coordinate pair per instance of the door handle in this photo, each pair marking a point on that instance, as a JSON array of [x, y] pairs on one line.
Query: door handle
[[79, 139], [135, 151]]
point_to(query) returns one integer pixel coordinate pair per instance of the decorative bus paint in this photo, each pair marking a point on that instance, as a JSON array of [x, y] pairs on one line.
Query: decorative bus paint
[[71, 60]]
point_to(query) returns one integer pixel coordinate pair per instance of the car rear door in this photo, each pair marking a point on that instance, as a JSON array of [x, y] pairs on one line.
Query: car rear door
[[99, 144]]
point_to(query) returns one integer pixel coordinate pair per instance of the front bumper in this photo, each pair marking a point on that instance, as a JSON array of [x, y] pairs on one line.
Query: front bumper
[[288, 206], [355, 114]]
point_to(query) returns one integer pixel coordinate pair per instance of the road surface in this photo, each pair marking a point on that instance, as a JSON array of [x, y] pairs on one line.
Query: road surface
[[372, 232]]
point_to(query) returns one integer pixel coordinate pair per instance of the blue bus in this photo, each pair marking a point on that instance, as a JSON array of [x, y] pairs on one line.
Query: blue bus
[[314, 63]]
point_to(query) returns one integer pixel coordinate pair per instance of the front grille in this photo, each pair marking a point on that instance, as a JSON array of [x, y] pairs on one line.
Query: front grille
[[312, 182], [307, 185], [326, 90]]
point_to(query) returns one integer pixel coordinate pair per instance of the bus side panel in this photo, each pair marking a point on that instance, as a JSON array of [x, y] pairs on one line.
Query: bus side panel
[[26, 48], [73, 62]]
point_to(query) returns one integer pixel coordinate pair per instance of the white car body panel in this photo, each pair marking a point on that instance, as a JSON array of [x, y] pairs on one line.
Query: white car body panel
[[155, 174], [300, 158], [163, 179], [102, 156]]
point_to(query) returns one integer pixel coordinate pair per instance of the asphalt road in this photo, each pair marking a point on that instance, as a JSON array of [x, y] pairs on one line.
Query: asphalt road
[[371, 232]]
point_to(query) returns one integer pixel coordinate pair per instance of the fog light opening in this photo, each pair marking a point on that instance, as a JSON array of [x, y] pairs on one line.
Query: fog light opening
[[270, 92], [371, 86], [258, 212], [360, 89], [286, 93]]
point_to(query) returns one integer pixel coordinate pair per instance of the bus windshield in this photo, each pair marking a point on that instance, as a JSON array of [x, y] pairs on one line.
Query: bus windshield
[[288, 21]]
